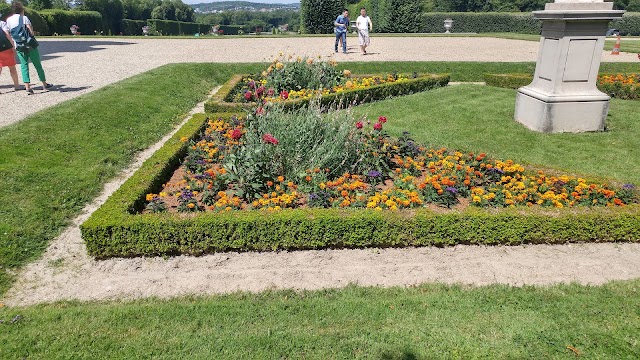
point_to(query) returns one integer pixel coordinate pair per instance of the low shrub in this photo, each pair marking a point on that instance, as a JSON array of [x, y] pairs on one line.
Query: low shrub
[[40, 26], [169, 27], [629, 24]]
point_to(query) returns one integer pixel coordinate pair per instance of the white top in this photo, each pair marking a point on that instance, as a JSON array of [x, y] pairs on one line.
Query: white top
[[4, 26], [14, 20], [363, 22]]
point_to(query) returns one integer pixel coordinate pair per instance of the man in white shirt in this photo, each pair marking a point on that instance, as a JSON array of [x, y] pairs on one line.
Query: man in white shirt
[[364, 25]]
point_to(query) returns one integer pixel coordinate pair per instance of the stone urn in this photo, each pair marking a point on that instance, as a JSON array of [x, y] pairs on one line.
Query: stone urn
[[448, 24]]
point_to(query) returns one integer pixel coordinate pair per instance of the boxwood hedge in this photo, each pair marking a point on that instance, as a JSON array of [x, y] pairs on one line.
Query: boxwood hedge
[[222, 101], [509, 81], [117, 229]]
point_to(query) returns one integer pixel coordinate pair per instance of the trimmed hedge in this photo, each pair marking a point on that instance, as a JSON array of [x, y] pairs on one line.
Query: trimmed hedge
[[221, 102], [232, 29], [59, 21], [132, 27], [523, 23], [509, 81], [169, 27], [318, 16], [118, 230]]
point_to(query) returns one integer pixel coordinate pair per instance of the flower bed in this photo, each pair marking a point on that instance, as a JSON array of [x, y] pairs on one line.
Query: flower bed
[[620, 86], [122, 228], [296, 83], [372, 171]]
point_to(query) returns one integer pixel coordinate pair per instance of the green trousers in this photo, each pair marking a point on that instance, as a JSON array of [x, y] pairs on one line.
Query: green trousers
[[34, 56]]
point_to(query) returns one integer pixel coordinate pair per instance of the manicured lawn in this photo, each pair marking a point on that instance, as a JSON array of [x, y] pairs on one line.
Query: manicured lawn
[[425, 322], [632, 46], [56, 161], [480, 118]]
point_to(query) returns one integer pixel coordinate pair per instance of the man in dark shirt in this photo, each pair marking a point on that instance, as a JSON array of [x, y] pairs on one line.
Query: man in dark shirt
[[342, 26]]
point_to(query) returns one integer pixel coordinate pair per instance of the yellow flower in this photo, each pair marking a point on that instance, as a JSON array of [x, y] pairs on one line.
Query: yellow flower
[[346, 73]]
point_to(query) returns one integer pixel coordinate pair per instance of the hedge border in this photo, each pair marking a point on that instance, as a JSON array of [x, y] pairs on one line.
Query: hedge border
[[220, 103], [117, 230]]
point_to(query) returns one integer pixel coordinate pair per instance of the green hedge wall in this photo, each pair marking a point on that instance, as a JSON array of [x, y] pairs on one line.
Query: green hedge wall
[[132, 27], [397, 16], [116, 230], [523, 23], [168, 27], [232, 29], [221, 102], [59, 21], [318, 16]]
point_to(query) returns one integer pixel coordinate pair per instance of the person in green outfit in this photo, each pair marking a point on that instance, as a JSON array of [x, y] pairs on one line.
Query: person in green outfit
[[31, 54]]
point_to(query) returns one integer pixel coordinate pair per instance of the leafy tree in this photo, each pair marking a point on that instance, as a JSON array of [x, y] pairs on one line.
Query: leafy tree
[[111, 10], [40, 4]]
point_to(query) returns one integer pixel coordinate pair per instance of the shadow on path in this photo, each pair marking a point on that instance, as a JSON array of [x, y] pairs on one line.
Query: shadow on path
[[49, 48]]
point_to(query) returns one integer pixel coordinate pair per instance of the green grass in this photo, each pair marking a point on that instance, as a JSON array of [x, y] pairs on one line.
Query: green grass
[[425, 322], [631, 46], [480, 118], [56, 161]]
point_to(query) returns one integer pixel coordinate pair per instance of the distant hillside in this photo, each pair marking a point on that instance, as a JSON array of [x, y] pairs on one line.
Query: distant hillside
[[241, 5]]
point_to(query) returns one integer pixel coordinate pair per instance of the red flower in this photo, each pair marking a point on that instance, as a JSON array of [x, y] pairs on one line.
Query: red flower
[[382, 119], [269, 139], [260, 111], [248, 95], [359, 125], [236, 134], [377, 126], [284, 94], [260, 91]]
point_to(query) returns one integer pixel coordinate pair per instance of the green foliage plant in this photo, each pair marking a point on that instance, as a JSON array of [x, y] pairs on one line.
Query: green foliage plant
[[59, 21], [508, 81]]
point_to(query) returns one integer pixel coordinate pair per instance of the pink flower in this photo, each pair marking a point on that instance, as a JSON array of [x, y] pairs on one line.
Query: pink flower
[[236, 134], [359, 125], [284, 94], [260, 111], [382, 119], [377, 126], [269, 139], [260, 91], [248, 95], [271, 92]]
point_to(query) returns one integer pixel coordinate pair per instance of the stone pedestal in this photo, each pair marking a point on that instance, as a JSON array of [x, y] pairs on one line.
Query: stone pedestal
[[563, 96]]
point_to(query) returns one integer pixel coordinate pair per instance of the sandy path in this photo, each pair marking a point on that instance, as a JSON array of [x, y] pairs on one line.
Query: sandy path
[[78, 66], [66, 272]]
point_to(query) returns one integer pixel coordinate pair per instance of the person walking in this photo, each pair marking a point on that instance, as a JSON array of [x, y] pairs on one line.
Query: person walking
[[341, 27], [32, 54], [364, 25], [8, 55]]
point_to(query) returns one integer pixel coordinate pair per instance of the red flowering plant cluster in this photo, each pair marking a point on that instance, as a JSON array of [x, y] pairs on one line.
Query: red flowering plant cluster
[[332, 160]]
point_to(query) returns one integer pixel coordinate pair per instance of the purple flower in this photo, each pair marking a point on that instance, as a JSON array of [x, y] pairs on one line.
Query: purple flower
[[628, 186], [186, 195], [313, 196], [451, 190], [374, 173]]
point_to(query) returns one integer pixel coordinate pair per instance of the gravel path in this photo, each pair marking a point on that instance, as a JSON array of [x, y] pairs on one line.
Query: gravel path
[[78, 66], [66, 272]]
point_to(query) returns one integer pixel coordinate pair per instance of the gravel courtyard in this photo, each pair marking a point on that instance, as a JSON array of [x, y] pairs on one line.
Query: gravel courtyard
[[78, 66]]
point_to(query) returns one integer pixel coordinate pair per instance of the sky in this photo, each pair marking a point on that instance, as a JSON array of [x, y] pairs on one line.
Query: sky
[[254, 1]]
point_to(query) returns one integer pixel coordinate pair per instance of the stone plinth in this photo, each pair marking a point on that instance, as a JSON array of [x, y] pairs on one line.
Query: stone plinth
[[563, 96]]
